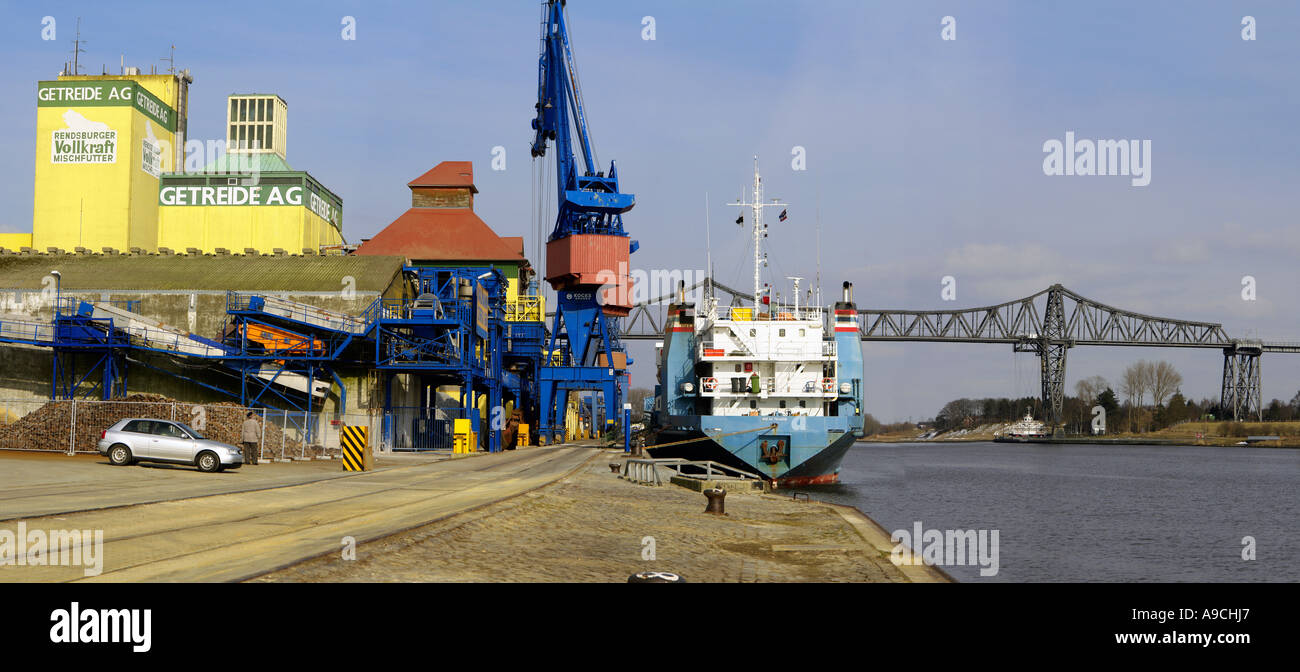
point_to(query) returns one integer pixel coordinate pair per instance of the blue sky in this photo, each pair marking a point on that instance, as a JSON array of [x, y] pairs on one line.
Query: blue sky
[[924, 155]]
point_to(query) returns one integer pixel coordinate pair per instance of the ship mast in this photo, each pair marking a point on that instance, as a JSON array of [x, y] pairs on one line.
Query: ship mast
[[759, 228]]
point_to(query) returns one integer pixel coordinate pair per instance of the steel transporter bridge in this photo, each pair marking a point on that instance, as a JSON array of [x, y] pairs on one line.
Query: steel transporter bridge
[[1047, 323]]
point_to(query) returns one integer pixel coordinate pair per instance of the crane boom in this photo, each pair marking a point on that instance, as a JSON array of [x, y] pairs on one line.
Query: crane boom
[[590, 202]]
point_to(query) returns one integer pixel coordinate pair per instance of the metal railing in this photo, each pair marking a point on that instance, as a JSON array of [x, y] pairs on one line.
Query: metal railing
[[526, 309], [26, 332], [298, 312], [646, 470]]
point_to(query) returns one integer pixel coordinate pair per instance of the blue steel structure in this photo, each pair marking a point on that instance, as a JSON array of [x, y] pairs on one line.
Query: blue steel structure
[[79, 338], [452, 333], [584, 336], [284, 354]]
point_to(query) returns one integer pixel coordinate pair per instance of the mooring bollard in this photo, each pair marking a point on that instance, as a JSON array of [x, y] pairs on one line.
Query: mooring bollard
[[615, 467], [716, 497]]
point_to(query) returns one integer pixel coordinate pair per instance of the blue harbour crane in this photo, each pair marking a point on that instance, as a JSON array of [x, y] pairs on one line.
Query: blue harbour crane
[[587, 252]]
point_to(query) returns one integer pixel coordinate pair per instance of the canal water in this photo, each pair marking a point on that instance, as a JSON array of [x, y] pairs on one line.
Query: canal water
[[1091, 513]]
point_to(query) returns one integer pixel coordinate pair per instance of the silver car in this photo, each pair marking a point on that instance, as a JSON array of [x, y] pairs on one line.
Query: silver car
[[150, 440]]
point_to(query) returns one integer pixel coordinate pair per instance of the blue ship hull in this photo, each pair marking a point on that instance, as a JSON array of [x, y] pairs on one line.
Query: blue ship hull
[[801, 450]]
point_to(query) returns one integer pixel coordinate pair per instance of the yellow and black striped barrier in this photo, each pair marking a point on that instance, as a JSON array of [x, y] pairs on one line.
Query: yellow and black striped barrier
[[356, 448]]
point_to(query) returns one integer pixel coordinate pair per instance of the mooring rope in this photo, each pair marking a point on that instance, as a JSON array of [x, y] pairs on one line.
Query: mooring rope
[[719, 436]]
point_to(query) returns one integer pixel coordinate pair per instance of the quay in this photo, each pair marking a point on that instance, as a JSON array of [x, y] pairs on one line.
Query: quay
[[537, 514], [592, 526]]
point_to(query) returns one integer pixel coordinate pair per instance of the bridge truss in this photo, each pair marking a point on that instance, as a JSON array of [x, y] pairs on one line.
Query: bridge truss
[[1047, 323]]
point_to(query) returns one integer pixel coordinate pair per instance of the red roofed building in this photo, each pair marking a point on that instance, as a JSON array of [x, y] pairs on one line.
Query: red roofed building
[[441, 229]]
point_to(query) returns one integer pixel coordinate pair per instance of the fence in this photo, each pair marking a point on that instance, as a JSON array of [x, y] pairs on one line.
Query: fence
[[74, 426], [418, 428]]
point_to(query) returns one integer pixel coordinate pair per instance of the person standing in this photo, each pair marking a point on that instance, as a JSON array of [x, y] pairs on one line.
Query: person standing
[[251, 435]]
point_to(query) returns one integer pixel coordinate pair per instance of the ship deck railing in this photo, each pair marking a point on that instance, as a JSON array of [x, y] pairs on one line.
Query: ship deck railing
[[714, 387], [777, 314], [779, 352]]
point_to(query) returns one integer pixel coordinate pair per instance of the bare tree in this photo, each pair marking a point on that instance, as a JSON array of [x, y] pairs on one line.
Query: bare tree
[[1164, 380], [1130, 385], [1133, 385], [1146, 379], [1087, 389]]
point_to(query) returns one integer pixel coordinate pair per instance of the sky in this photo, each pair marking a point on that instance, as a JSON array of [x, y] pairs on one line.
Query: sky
[[924, 156]]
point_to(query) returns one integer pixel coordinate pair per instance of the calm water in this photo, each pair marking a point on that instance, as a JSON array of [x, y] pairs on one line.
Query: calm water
[[1091, 513]]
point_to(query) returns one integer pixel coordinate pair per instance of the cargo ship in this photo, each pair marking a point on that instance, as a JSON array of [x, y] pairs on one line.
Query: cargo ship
[[770, 389]]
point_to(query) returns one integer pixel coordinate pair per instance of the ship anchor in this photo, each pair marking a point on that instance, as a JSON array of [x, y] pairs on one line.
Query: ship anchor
[[775, 454]]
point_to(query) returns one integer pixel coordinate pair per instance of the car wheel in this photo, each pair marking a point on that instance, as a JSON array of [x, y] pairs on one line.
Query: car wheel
[[119, 455], [208, 462]]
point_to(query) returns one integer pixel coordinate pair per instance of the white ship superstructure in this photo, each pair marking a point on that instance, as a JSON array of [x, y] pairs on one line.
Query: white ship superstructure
[[775, 363]]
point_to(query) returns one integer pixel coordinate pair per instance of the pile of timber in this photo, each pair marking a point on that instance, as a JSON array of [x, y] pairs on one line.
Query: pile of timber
[[50, 427]]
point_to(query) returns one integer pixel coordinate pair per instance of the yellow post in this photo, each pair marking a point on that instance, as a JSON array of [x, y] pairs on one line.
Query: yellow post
[[461, 432], [356, 449], [523, 435]]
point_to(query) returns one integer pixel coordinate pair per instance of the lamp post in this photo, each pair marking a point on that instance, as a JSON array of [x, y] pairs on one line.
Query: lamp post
[[58, 291]]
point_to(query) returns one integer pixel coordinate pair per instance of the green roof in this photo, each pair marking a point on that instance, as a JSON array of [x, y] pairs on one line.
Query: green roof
[[202, 273], [262, 162]]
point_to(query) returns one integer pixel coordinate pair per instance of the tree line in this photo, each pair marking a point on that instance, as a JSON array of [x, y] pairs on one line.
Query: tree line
[[1148, 398]]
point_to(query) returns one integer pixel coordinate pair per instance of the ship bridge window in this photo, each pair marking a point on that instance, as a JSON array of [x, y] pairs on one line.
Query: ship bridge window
[[781, 333], [737, 368], [803, 332], [783, 403], [803, 404], [752, 333], [753, 404]]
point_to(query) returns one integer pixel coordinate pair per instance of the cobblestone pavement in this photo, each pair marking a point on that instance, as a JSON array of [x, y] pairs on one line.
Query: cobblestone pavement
[[593, 527]]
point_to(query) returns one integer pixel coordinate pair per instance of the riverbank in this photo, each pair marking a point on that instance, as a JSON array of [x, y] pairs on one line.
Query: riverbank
[[1223, 434], [595, 527]]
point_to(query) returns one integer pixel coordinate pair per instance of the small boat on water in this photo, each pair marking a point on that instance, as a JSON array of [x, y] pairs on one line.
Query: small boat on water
[[1026, 429]]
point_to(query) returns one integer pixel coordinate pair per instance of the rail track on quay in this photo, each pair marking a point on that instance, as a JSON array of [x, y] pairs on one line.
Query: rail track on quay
[[241, 534]]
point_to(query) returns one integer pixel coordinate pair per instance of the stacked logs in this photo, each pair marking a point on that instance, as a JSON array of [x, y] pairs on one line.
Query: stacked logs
[[49, 427]]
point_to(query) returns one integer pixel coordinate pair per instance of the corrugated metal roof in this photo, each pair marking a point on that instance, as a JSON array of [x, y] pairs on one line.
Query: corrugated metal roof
[[201, 273], [245, 163], [442, 234], [448, 174]]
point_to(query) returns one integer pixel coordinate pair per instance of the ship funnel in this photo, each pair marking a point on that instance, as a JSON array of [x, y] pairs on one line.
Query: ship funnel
[[848, 292]]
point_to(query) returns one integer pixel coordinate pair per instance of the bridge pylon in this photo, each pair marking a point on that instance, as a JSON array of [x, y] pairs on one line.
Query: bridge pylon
[[1051, 346], [1241, 388]]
